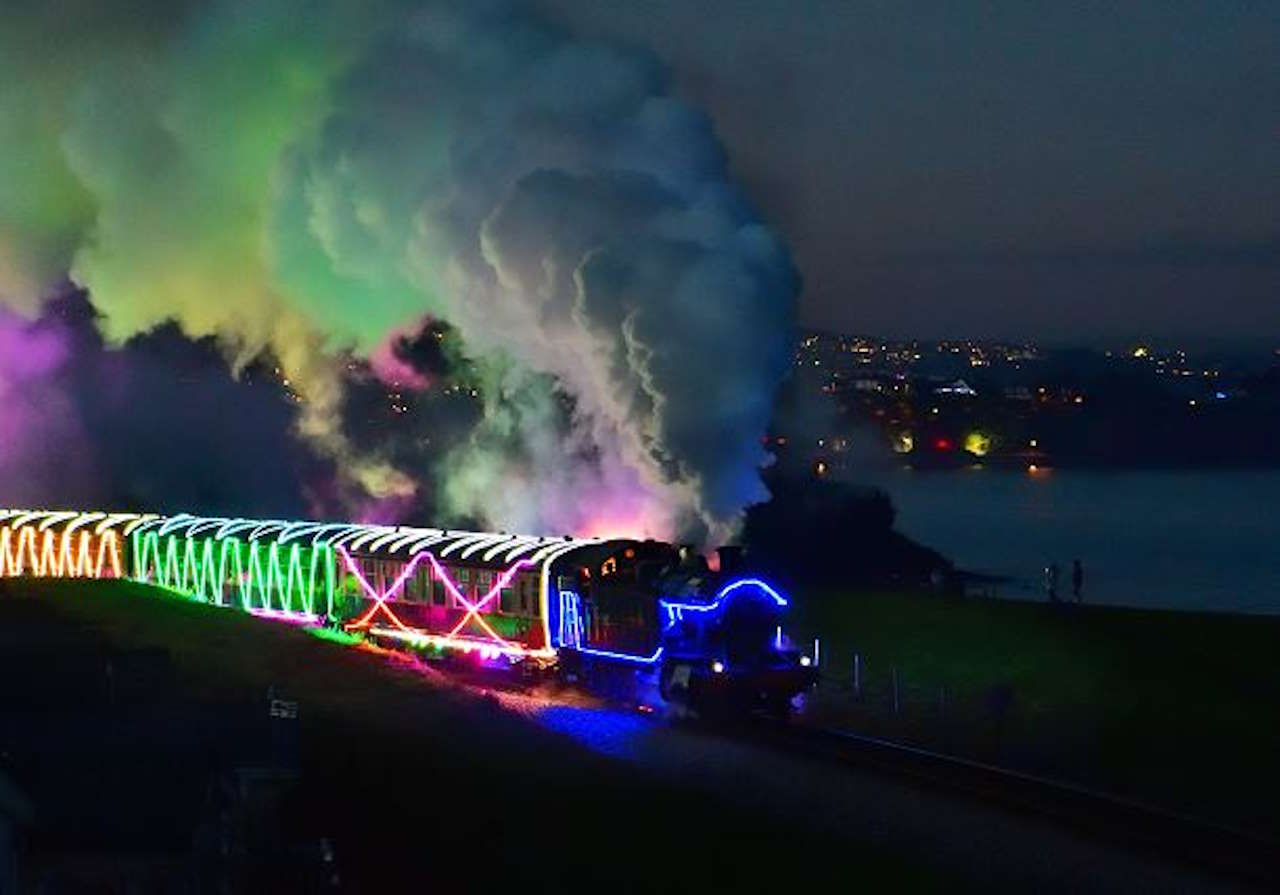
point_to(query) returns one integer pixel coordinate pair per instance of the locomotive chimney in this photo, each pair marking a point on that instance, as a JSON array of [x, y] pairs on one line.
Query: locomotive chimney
[[730, 558]]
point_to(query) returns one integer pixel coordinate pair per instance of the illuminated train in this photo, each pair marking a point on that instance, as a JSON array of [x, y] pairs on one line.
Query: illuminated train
[[591, 608]]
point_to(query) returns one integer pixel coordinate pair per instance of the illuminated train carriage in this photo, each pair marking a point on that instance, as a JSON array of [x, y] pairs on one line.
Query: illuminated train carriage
[[65, 544], [580, 604], [450, 592], [437, 591]]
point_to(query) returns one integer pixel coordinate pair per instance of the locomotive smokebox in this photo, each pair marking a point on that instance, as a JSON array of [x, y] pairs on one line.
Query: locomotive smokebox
[[730, 558]]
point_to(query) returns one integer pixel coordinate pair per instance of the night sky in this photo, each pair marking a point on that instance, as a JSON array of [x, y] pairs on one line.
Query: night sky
[[1061, 171], [619, 209]]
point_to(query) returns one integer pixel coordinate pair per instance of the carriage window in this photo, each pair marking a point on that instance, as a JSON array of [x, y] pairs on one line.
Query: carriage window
[[462, 577], [507, 599], [415, 587], [437, 590]]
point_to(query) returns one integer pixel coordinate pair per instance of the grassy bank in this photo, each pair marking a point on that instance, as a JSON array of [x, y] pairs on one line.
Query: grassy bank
[[1178, 708], [417, 782]]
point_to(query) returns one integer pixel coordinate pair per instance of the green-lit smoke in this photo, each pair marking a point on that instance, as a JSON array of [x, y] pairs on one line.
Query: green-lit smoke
[[307, 176], [138, 156]]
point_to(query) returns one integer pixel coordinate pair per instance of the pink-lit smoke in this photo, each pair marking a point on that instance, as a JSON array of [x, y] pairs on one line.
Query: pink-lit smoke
[[39, 431]]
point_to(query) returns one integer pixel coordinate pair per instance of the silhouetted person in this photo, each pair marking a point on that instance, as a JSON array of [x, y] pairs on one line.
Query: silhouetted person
[[1051, 573], [1077, 579]]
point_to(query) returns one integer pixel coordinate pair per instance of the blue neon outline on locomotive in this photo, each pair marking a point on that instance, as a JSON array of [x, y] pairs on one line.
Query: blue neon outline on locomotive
[[672, 607], [569, 633], [675, 609], [565, 596]]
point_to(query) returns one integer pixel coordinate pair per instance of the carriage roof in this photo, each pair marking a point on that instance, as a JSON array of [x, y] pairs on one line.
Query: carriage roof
[[377, 541]]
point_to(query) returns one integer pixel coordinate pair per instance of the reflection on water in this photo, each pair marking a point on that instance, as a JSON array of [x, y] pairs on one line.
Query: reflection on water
[[1183, 540]]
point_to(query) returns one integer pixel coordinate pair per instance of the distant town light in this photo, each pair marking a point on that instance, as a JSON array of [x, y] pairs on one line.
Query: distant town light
[[977, 443]]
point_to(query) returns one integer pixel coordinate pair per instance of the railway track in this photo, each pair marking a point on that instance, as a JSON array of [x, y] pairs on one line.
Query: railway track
[[1170, 836], [1174, 837]]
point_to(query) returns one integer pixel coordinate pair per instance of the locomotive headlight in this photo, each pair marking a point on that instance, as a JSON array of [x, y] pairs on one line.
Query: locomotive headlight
[[717, 666], [806, 661]]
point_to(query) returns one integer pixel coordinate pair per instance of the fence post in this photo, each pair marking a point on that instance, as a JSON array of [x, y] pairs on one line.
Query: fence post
[[895, 689], [857, 674]]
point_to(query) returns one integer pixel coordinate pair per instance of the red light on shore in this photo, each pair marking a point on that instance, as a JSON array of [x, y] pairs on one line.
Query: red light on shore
[[943, 444]]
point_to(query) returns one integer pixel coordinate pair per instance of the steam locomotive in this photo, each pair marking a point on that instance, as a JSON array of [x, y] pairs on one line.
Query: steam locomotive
[[589, 608]]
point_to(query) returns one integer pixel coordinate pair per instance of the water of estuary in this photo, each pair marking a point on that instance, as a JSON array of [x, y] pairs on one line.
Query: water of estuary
[[1197, 540]]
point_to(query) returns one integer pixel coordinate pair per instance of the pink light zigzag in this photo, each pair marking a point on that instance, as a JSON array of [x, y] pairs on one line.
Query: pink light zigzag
[[473, 609]]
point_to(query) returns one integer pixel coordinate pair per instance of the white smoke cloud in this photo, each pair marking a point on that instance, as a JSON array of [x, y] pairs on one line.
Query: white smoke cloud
[[550, 200]]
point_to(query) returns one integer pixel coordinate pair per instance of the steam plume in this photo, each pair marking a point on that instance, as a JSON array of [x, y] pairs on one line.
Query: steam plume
[[314, 178]]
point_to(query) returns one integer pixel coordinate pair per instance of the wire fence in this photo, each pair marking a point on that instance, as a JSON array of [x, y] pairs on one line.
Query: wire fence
[[887, 698]]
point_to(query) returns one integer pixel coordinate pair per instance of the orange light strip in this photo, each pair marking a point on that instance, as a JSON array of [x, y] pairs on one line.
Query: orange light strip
[[27, 550]]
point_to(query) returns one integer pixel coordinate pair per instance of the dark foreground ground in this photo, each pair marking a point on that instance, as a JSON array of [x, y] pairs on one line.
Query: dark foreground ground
[[1177, 709], [167, 771]]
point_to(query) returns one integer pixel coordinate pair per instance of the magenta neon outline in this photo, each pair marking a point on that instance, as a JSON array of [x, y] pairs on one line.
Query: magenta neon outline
[[379, 600], [462, 643], [473, 609]]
